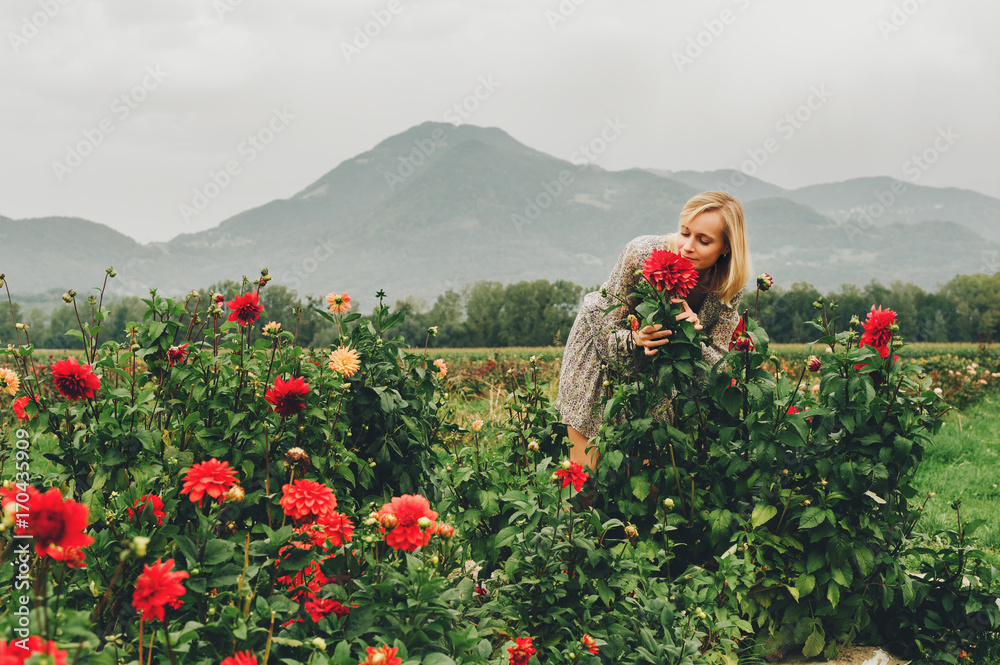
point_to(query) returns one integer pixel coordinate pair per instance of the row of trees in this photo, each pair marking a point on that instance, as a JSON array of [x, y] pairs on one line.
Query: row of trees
[[541, 313]]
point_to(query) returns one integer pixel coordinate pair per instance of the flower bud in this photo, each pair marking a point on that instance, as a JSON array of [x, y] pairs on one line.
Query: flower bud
[[424, 522], [855, 321], [139, 544], [445, 530], [477, 425], [533, 446], [21, 326], [555, 478], [565, 464], [235, 493], [319, 643], [389, 521], [814, 364], [764, 282], [71, 293], [67, 298], [432, 331], [263, 272], [668, 504], [938, 391], [700, 613], [298, 458], [631, 531], [433, 560]]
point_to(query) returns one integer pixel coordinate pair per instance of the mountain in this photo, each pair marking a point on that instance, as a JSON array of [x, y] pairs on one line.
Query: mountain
[[438, 206], [865, 202]]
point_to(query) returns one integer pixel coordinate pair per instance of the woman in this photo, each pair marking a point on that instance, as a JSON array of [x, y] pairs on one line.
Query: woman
[[712, 235]]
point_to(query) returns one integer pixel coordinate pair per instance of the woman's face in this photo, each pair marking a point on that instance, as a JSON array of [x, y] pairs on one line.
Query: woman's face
[[702, 241]]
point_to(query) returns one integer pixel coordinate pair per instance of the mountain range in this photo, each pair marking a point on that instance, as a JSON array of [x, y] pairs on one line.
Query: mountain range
[[438, 206]]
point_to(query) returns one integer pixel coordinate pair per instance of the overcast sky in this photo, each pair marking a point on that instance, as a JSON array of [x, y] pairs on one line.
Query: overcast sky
[[117, 111]]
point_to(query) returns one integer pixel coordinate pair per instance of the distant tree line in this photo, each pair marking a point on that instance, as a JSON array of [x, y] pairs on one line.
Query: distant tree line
[[541, 313]]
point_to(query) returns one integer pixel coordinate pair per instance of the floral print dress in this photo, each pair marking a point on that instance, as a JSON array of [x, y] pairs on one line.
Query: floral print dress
[[596, 339]]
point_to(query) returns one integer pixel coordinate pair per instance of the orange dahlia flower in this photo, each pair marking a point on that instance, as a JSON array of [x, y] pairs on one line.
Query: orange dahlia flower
[[307, 500], [213, 478], [406, 512], [345, 361], [341, 303]]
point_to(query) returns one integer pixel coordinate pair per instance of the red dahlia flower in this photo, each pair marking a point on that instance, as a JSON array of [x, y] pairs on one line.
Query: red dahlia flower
[[792, 409], [671, 272], [56, 521], [307, 500], [73, 380], [633, 322], [521, 652], [286, 396], [12, 653], [212, 477], [19, 405], [246, 308], [878, 330], [157, 586], [320, 607], [815, 364], [384, 655], [240, 658], [72, 557], [572, 473], [740, 340], [335, 527], [406, 511], [149, 504], [310, 577], [590, 644], [177, 354]]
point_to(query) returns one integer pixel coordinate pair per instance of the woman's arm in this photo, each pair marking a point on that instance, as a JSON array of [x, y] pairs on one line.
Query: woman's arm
[[614, 338]]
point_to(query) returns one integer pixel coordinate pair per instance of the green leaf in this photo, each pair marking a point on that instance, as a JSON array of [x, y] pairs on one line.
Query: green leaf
[[438, 659], [814, 643], [640, 487], [805, 584], [186, 547], [605, 592], [811, 517], [842, 576], [217, 551], [762, 513], [833, 594]]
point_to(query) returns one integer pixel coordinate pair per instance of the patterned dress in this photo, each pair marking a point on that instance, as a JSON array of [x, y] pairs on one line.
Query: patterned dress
[[595, 338]]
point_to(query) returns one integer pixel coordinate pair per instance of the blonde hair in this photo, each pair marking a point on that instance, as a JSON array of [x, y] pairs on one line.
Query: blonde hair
[[732, 270]]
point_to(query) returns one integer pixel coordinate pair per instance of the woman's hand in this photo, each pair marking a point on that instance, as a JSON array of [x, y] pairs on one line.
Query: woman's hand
[[687, 314], [651, 337]]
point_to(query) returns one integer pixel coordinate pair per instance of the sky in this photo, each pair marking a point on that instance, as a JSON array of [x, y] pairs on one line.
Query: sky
[[162, 118]]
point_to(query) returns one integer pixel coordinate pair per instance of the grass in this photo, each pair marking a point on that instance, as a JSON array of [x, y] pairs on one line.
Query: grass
[[963, 464]]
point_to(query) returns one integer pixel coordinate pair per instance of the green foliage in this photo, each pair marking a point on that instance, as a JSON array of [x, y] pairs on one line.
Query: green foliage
[[815, 491]]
